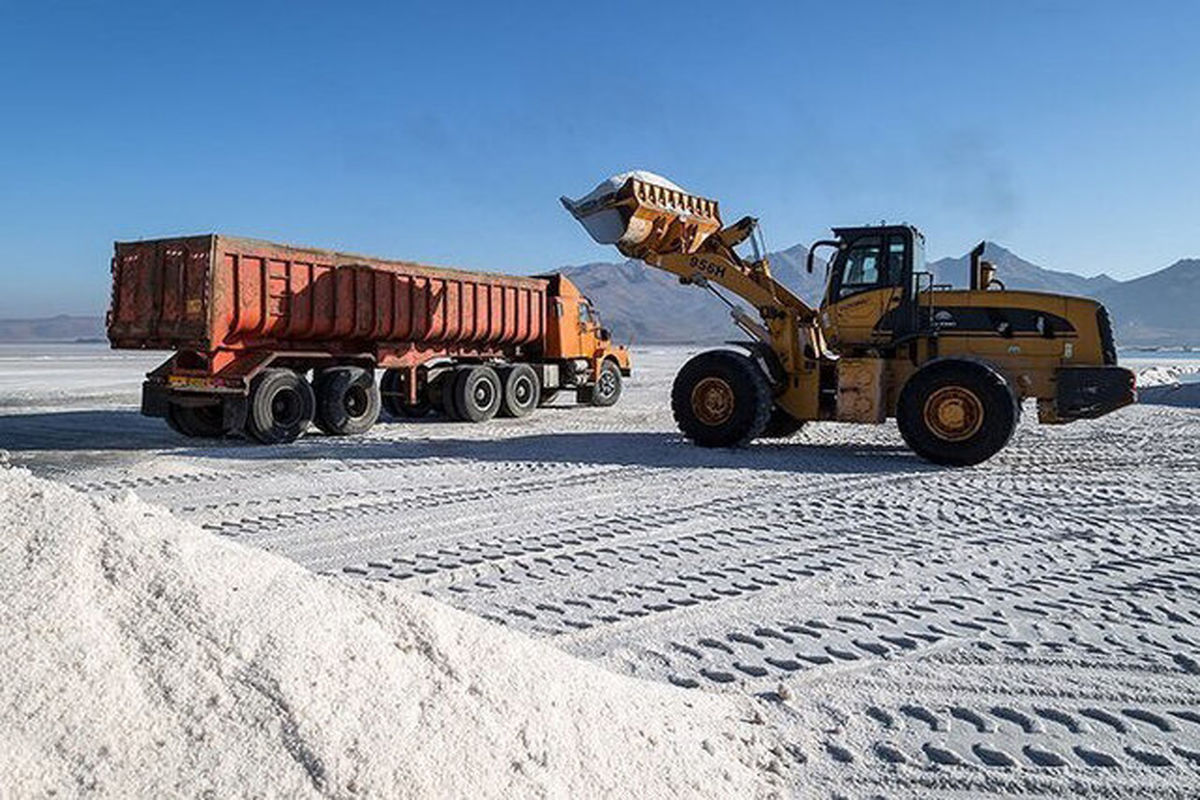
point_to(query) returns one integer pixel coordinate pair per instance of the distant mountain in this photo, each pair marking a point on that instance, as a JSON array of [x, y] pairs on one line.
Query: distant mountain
[[1162, 308], [62, 328], [648, 305]]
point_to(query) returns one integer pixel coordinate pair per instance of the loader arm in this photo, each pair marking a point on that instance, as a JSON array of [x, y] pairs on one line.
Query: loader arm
[[679, 233]]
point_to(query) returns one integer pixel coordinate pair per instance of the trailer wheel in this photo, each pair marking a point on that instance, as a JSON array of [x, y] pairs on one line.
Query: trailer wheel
[[282, 404], [721, 399], [204, 422], [781, 425], [477, 393], [393, 399], [347, 400], [521, 395], [956, 413], [607, 390]]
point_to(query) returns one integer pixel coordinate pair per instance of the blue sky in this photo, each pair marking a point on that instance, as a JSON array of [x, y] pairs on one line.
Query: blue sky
[[445, 132]]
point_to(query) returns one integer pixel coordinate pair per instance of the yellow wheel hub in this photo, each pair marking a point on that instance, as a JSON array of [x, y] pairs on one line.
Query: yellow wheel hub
[[712, 401], [954, 413]]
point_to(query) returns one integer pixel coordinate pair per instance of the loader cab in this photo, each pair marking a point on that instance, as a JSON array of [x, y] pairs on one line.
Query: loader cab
[[870, 293]]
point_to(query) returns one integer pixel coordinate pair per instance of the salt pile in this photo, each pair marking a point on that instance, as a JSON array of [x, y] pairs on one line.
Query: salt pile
[[142, 656]]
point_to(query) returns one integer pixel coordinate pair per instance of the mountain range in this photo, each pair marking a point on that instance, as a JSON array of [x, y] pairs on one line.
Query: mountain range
[[650, 306], [646, 306]]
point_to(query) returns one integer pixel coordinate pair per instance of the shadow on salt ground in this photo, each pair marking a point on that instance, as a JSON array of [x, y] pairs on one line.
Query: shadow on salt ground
[[126, 429]]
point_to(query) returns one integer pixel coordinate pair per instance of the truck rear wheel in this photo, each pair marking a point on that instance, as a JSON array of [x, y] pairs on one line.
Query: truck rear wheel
[[347, 400], [204, 422], [521, 393], [721, 399], [282, 404], [781, 425], [607, 389], [956, 413], [477, 393]]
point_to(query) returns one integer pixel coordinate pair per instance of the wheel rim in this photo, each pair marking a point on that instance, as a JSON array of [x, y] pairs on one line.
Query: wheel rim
[[355, 401], [607, 384], [483, 394], [712, 401], [285, 407], [953, 413], [523, 390]]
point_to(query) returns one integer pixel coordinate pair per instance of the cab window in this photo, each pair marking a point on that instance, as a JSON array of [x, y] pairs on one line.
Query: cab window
[[585, 313], [861, 265]]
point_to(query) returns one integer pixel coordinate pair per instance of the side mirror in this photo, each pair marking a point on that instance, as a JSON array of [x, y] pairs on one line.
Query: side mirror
[[605, 335]]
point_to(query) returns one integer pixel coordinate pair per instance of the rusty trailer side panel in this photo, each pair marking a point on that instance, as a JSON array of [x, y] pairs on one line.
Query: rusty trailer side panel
[[219, 293]]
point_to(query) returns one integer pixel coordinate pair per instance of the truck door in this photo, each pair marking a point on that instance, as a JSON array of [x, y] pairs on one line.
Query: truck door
[[866, 289]]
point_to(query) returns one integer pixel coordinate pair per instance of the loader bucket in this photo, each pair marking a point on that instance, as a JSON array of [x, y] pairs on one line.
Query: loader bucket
[[644, 214]]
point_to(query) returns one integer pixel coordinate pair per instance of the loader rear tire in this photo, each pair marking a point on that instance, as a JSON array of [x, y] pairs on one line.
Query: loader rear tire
[[477, 393], [721, 399], [781, 425], [957, 413], [520, 396], [198, 422], [347, 400], [282, 405]]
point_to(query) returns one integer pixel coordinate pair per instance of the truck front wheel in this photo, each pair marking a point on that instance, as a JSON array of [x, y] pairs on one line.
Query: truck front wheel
[[607, 390], [282, 405], [956, 413], [721, 399], [347, 400]]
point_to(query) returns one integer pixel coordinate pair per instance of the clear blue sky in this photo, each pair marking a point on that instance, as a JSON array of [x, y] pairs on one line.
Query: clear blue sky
[[445, 132]]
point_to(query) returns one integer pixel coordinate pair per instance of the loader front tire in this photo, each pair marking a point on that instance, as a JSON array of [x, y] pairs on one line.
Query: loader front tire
[[282, 405], [957, 413], [347, 400], [721, 399]]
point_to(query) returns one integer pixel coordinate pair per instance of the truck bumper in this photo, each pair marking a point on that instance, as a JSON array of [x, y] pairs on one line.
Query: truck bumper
[[1090, 392]]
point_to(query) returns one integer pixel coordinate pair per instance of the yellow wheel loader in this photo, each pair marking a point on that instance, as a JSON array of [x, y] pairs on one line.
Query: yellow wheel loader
[[952, 366]]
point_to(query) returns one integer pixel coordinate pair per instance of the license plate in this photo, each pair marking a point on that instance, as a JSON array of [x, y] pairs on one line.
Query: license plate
[[188, 382]]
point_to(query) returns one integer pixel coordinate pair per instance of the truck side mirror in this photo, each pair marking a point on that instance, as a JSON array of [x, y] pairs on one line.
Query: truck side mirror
[[605, 335]]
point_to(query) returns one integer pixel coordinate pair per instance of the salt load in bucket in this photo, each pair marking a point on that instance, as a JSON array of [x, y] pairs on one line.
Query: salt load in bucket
[[643, 213]]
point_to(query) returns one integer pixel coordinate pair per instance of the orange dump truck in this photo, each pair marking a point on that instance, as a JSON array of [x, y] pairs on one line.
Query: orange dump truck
[[249, 321]]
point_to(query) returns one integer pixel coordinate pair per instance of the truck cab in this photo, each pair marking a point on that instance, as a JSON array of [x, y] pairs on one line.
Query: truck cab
[[574, 330]]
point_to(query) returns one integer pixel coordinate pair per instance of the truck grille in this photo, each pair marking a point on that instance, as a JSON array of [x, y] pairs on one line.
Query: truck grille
[[1107, 347]]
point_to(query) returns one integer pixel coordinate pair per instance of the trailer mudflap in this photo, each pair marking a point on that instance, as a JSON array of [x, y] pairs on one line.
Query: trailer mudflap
[[154, 399], [1090, 392]]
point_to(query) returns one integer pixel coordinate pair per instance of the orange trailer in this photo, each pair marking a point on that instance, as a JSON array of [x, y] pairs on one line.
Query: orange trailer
[[249, 321]]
